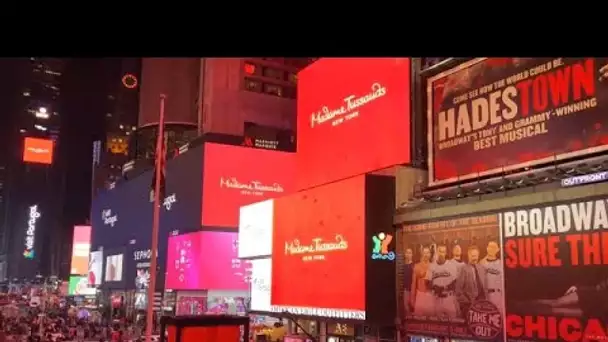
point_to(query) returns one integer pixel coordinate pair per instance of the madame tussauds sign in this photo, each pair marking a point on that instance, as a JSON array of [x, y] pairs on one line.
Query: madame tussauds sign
[[317, 248], [250, 188], [349, 109]]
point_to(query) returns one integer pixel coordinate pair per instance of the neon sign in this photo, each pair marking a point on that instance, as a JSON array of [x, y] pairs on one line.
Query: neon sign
[[380, 250], [169, 201], [129, 81], [30, 233], [108, 218]]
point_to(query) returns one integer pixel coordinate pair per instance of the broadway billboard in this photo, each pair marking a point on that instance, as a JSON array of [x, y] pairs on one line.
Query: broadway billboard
[[491, 115], [545, 279], [556, 271], [451, 278]]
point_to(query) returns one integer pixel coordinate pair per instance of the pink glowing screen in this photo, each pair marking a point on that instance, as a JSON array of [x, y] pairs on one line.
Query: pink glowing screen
[[206, 261]]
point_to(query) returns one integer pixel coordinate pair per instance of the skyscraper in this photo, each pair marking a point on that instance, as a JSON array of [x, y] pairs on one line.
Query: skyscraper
[[33, 188], [120, 120], [216, 95]]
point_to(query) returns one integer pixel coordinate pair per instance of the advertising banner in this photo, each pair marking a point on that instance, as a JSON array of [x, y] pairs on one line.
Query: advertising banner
[[235, 176], [106, 212], [38, 151], [450, 280], [261, 273], [556, 271], [491, 115], [114, 268], [204, 261], [137, 267], [79, 286], [95, 268], [31, 227], [181, 207], [347, 108], [318, 259], [255, 229], [122, 214], [81, 246]]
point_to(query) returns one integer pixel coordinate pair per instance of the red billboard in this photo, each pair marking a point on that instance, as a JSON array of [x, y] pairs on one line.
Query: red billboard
[[556, 271], [353, 118], [81, 247], [38, 151], [318, 261], [235, 176], [492, 115]]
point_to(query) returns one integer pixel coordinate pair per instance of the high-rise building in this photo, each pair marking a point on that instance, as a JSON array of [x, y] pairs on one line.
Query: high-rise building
[[32, 191], [120, 120], [216, 95]]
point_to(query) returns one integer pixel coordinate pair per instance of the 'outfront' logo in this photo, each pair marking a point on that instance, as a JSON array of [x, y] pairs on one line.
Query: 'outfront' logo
[[380, 250]]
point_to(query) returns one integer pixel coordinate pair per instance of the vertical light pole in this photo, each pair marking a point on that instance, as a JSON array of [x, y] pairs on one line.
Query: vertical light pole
[[156, 218]]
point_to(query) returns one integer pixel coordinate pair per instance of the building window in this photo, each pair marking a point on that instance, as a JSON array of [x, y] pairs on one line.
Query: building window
[[293, 78], [273, 89], [273, 73], [253, 85]]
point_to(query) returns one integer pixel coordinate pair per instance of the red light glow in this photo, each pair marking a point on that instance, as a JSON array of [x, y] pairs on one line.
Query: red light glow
[[129, 81], [249, 68]]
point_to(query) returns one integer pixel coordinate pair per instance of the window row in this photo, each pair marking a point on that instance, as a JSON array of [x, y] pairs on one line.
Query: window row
[[258, 86], [253, 70]]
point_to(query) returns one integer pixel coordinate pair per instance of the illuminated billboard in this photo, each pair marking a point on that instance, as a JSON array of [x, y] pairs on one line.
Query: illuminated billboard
[[81, 246], [30, 233], [39, 151], [353, 118], [494, 115]]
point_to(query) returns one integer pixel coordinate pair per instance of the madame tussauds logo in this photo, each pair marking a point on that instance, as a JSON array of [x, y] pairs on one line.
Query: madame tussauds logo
[[255, 188], [317, 248], [349, 110]]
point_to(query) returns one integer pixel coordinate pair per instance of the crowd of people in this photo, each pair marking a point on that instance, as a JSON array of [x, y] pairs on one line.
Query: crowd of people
[[34, 324], [38, 327]]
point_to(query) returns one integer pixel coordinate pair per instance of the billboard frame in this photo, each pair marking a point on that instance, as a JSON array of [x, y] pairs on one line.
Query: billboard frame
[[496, 172]]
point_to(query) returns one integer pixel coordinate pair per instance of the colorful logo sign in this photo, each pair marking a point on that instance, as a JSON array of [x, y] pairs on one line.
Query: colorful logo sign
[[381, 244], [30, 233]]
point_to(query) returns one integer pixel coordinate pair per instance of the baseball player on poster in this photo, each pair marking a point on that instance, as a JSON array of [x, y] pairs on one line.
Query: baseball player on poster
[[421, 298], [457, 255], [471, 282], [493, 266], [442, 278], [408, 276]]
